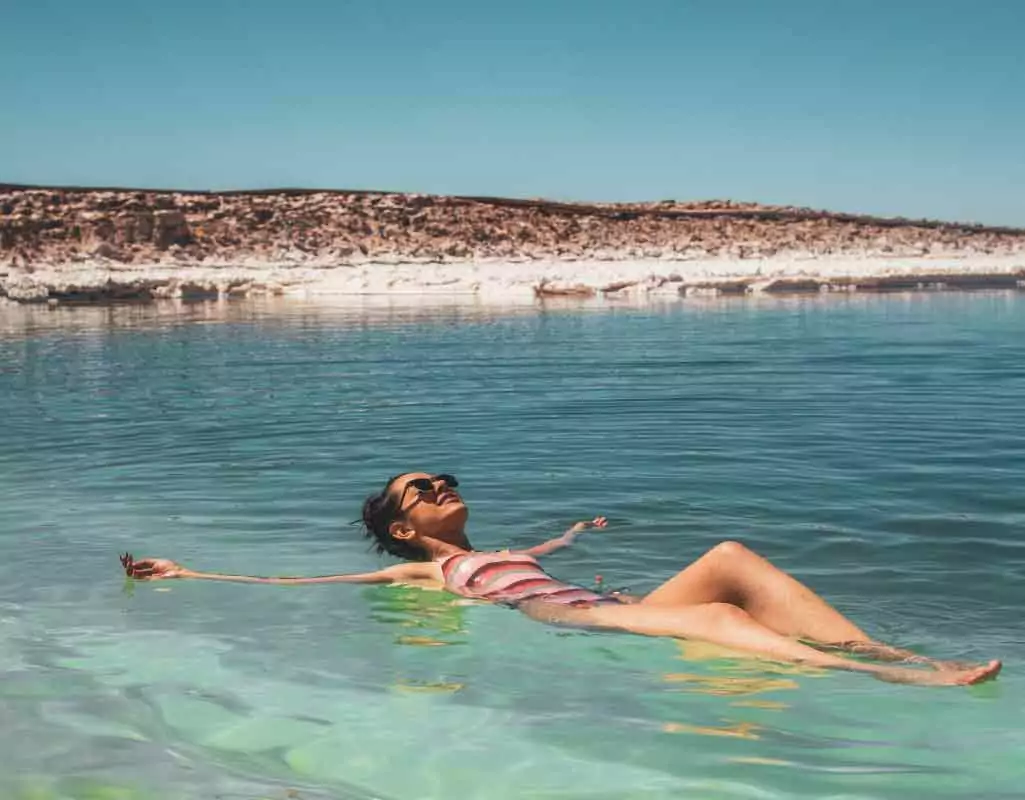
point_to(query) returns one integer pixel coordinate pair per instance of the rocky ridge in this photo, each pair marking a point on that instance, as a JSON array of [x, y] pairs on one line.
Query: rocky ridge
[[75, 243]]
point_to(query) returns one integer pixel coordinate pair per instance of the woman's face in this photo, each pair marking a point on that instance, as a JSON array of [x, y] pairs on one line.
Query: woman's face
[[430, 505]]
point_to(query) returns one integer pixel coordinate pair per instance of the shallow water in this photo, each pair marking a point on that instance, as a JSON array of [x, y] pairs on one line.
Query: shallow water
[[872, 445]]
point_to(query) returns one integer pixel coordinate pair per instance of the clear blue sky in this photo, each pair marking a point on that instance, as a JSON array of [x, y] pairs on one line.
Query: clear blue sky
[[891, 107]]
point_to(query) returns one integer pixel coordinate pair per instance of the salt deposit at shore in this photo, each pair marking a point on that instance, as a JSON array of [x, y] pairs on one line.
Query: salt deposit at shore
[[504, 281], [640, 278]]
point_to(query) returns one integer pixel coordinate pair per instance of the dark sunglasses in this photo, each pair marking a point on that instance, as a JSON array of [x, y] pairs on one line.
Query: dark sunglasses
[[423, 485]]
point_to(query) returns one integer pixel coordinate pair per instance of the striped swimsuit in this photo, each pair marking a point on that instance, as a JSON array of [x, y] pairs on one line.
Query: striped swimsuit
[[511, 579]]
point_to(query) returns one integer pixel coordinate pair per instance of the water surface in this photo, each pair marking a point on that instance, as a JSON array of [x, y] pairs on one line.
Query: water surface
[[873, 446]]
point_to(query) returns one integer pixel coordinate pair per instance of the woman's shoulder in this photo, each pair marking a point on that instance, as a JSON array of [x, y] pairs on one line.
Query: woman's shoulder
[[415, 572]]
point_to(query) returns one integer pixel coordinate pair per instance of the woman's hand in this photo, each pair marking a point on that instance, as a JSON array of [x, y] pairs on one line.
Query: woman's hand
[[152, 569], [597, 522], [566, 539]]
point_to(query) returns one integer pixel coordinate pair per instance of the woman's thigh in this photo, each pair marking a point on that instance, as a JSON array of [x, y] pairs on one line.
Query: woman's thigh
[[628, 617]]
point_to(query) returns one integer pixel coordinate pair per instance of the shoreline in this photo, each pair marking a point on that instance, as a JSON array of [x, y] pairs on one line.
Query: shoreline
[[71, 245], [497, 282]]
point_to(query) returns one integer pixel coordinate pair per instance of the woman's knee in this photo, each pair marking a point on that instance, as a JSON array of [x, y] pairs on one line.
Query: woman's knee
[[725, 613], [730, 550]]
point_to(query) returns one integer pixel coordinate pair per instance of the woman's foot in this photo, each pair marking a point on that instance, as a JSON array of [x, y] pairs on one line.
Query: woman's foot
[[885, 652], [941, 666], [940, 677]]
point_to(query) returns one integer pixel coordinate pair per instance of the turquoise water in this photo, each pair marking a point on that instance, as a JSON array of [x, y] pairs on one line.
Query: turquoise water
[[873, 446]]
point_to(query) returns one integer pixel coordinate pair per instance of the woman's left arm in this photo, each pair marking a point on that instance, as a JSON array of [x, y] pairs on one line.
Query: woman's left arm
[[565, 540], [151, 569]]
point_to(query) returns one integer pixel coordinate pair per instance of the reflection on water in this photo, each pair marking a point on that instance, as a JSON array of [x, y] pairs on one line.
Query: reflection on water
[[383, 310], [740, 730], [276, 312], [425, 619], [428, 617], [725, 684]]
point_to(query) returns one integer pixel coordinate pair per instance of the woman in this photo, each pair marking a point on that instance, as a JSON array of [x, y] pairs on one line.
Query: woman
[[730, 596]]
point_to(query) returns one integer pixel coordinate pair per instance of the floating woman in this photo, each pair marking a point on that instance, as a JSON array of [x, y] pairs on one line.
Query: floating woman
[[730, 596]]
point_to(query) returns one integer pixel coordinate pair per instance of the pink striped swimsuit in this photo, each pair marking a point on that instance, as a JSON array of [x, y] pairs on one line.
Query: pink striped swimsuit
[[511, 578]]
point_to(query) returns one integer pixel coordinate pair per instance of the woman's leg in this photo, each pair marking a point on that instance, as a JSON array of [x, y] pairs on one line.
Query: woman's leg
[[729, 626], [731, 573], [885, 652]]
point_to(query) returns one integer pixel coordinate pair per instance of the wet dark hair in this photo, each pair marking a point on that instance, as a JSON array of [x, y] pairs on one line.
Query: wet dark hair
[[379, 512]]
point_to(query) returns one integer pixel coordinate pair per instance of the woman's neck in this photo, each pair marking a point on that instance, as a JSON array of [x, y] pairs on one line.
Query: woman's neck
[[438, 549]]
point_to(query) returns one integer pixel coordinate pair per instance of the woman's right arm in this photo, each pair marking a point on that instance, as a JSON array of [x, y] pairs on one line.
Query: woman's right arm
[[149, 569]]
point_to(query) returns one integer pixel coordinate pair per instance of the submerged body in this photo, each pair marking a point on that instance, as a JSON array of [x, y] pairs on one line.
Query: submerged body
[[730, 596]]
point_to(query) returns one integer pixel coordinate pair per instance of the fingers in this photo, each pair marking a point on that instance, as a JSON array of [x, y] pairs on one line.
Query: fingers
[[599, 522]]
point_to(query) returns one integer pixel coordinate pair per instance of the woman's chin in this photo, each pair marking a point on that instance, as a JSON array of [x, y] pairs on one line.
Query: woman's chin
[[455, 512]]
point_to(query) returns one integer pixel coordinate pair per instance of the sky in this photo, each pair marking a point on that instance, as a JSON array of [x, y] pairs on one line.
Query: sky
[[888, 107]]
